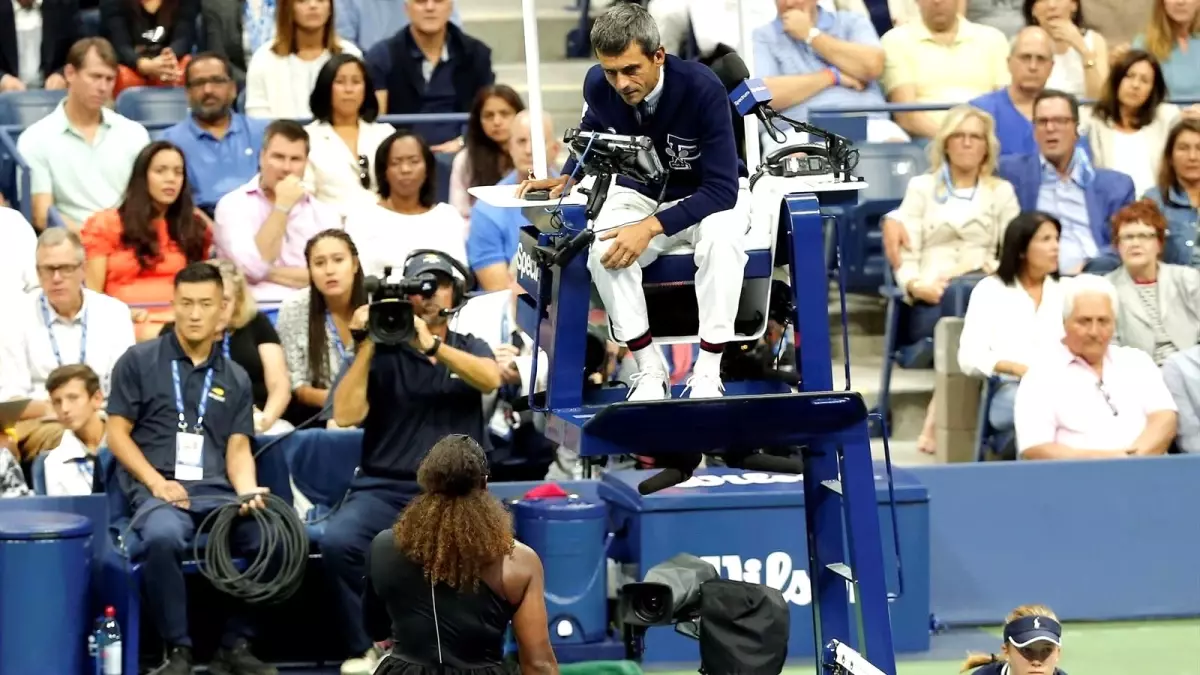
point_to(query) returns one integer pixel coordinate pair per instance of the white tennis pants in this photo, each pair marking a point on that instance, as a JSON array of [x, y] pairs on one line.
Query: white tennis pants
[[719, 245]]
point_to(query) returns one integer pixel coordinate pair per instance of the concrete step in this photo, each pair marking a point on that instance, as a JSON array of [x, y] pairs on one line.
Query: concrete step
[[501, 26], [911, 391], [562, 88]]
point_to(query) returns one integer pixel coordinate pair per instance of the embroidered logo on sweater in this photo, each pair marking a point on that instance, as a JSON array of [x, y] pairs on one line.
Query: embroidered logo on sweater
[[682, 151]]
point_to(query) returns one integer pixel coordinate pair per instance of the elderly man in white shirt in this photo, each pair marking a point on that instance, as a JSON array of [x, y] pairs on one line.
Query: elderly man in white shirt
[[1089, 399], [77, 400], [64, 323]]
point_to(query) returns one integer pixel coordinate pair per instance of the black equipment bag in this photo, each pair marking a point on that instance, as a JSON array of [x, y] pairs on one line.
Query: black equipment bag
[[743, 629]]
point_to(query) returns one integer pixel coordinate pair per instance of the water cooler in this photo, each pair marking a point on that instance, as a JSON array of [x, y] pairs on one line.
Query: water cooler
[[45, 575], [571, 537]]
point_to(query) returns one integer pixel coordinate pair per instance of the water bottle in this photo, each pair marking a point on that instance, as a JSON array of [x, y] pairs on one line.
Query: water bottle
[[94, 646], [108, 642]]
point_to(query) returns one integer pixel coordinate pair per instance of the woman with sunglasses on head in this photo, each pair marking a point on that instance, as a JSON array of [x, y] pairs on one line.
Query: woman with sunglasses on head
[[314, 324], [447, 580], [407, 216], [134, 250], [344, 136], [1032, 646]]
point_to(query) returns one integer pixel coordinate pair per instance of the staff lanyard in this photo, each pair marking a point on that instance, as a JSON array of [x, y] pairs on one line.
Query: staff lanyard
[[200, 407], [505, 335], [54, 341], [225, 344], [337, 339]]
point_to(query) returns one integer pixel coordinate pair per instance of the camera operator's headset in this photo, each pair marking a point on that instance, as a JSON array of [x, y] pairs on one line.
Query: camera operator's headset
[[462, 287]]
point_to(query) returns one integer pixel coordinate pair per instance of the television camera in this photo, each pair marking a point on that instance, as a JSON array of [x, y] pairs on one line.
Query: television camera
[[741, 627], [390, 319], [603, 156]]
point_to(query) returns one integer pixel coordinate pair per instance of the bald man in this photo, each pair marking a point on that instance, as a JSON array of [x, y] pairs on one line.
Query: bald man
[[495, 232], [1030, 61]]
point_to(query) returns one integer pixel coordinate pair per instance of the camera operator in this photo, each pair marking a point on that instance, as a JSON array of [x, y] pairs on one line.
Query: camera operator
[[406, 398], [638, 90]]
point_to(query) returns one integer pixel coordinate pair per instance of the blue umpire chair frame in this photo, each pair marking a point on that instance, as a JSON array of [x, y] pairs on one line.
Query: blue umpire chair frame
[[840, 503]]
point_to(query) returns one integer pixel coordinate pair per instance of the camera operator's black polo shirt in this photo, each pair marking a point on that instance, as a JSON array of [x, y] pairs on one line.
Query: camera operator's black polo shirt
[[414, 403], [143, 391]]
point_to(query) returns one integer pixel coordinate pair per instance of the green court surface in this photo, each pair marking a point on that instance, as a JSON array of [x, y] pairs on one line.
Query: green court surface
[[1142, 648]]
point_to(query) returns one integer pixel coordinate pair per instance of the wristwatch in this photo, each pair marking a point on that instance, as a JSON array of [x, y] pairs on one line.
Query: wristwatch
[[437, 344], [812, 35]]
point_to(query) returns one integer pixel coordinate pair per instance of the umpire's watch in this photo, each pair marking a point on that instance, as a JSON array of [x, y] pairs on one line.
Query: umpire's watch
[[812, 35], [433, 349]]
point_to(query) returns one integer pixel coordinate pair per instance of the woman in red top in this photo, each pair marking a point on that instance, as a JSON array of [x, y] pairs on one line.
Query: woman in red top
[[134, 250]]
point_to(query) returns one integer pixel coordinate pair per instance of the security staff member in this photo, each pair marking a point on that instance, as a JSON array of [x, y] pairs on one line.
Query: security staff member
[[405, 398], [638, 90], [180, 418]]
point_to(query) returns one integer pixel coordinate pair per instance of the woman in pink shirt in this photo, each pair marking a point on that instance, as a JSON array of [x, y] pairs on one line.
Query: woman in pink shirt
[[135, 250]]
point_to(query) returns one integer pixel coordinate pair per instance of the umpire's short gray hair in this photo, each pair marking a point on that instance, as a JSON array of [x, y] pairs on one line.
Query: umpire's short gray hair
[[622, 24], [1087, 284]]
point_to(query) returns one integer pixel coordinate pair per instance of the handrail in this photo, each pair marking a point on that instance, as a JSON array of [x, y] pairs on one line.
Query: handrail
[[928, 107], [25, 187], [415, 118]]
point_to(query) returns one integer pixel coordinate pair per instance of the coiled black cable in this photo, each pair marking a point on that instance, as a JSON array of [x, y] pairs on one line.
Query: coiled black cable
[[277, 569]]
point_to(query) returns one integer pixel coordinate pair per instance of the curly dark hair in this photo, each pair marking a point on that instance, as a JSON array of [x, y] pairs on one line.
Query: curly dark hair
[[455, 529]]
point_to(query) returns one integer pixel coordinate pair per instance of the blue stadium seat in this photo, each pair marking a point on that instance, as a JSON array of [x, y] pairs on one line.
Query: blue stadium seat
[[445, 164], [149, 105], [322, 464], [22, 108], [38, 473], [887, 168], [89, 23], [987, 439], [897, 352]]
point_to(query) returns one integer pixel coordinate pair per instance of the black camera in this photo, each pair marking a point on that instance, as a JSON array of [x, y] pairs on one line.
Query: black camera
[[390, 321]]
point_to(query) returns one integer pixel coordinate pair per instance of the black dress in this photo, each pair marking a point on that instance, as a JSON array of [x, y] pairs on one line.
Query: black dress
[[399, 605]]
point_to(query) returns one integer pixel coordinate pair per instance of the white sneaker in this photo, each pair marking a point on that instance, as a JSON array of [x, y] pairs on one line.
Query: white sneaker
[[363, 665], [704, 385], [651, 384]]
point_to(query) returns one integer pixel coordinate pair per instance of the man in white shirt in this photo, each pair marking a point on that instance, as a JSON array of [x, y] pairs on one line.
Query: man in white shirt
[[20, 241], [1088, 399], [62, 324], [77, 400]]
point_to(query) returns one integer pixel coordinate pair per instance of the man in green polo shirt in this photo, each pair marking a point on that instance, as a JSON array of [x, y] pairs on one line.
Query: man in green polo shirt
[[81, 154]]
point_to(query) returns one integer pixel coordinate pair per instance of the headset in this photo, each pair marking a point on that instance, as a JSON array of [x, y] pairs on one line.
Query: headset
[[781, 163], [463, 288]]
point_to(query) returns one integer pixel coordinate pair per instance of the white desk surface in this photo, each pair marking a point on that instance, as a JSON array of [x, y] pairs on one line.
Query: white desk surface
[[504, 196]]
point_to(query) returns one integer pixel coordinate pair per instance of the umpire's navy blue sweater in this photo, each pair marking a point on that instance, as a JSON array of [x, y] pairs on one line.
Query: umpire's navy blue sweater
[[692, 130]]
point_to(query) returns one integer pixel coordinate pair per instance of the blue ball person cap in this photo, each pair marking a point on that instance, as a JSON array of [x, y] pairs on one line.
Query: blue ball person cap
[[1030, 629]]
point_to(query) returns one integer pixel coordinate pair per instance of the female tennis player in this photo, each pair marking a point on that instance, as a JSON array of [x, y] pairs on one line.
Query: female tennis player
[[1032, 645]]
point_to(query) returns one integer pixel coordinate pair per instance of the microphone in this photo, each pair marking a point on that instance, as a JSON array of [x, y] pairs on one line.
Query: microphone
[[752, 96], [676, 469]]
